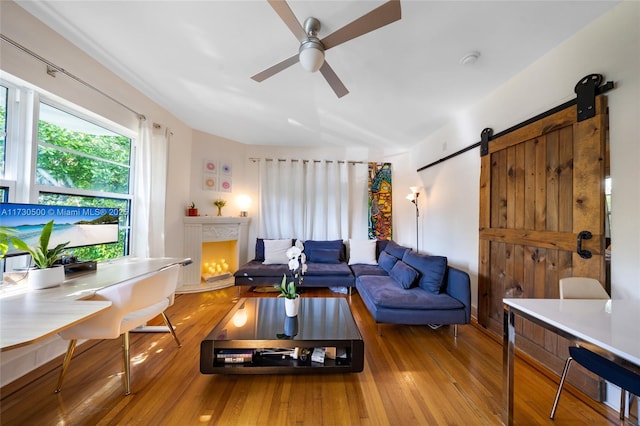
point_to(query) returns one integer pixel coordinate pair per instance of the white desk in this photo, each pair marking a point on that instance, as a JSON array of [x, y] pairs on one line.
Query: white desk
[[27, 316], [608, 327]]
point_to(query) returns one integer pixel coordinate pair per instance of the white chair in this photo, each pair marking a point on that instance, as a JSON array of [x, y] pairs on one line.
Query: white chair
[[133, 304], [590, 288], [582, 288]]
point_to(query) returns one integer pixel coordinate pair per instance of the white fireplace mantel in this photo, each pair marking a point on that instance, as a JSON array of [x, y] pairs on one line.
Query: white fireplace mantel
[[205, 229]]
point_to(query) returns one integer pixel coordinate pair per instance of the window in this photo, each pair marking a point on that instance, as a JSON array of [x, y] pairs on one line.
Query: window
[[64, 155], [80, 163]]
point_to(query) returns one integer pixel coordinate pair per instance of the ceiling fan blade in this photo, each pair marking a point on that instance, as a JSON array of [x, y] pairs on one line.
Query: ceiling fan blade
[[286, 14], [379, 17], [333, 80], [261, 76]]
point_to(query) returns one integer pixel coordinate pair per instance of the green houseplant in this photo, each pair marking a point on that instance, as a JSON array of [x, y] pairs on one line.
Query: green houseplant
[[47, 273], [43, 256], [192, 210]]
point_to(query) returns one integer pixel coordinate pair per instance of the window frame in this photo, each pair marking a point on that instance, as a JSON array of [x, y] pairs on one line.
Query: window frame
[[23, 111]]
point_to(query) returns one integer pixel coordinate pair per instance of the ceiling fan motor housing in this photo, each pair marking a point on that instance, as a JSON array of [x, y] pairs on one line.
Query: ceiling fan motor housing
[[311, 52]]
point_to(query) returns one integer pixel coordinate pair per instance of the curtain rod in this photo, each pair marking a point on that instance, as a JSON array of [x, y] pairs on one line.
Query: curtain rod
[[254, 160], [53, 68]]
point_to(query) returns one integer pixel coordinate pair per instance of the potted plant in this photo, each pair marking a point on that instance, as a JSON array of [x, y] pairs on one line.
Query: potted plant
[[219, 203], [288, 290], [46, 273], [192, 210]]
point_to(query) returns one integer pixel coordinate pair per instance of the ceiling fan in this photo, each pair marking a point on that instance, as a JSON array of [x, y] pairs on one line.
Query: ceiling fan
[[311, 51]]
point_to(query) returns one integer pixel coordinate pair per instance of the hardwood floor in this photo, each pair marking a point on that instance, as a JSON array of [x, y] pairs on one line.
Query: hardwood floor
[[412, 375]]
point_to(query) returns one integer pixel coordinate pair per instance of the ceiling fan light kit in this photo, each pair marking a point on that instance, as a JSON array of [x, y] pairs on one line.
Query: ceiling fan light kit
[[311, 51], [311, 54]]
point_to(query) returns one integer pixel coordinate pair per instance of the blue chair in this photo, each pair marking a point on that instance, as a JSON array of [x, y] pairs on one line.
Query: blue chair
[[589, 288]]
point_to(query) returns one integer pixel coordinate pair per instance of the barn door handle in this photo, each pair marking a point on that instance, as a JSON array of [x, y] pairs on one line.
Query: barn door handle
[[583, 235]]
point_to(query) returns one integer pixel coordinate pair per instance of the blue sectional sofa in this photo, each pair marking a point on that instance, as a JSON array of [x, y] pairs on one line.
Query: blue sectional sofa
[[398, 286]]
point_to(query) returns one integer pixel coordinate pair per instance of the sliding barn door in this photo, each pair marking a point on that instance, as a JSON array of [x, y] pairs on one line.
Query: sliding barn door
[[540, 187]]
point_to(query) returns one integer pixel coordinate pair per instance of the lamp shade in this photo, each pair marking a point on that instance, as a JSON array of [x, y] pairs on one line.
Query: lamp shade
[[311, 56]]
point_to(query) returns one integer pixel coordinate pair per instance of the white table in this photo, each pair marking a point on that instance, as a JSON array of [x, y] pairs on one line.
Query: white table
[[28, 316], [607, 327]]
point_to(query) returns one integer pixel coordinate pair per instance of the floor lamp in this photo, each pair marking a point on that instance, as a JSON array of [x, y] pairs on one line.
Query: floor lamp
[[413, 197]]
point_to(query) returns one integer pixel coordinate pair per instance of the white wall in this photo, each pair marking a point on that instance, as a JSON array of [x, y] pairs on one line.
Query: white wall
[[609, 46], [245, 175]]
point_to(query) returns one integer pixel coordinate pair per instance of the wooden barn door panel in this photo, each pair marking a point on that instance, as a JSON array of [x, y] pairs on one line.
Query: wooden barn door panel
[[540, 186]]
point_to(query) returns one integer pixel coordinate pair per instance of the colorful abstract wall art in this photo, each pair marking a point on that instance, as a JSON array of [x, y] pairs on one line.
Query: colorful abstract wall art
[[216, 176], [380, 201]]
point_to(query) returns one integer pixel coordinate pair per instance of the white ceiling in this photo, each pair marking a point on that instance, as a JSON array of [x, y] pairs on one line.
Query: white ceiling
[[195, 58]]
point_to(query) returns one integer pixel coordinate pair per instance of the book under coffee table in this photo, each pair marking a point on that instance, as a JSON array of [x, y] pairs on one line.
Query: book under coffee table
[[255, 337]]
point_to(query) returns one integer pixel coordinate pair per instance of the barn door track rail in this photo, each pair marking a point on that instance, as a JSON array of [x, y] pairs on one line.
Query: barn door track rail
[[586, 91]]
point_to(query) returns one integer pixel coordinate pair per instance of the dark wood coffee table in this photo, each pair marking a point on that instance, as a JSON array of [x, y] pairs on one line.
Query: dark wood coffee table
[[256, 337]]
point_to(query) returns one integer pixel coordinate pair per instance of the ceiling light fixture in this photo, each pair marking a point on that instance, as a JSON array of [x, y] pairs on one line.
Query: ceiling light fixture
[[470, 58], [311, 53]]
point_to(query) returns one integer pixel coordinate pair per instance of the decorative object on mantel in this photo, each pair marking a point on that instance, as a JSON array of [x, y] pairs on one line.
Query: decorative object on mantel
[[46, 273], [298, 267], [219, 203], [192, 210], [244, 202]]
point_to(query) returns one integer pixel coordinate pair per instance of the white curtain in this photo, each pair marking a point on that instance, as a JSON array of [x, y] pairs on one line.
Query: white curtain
[[320, 200], [149, 191]]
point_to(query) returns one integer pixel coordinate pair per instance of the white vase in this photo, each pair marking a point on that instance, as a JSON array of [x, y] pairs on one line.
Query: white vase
[[46, 278], [291, 306]]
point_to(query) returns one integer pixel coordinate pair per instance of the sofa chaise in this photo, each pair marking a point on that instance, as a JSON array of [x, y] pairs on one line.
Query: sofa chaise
[[410, 288]]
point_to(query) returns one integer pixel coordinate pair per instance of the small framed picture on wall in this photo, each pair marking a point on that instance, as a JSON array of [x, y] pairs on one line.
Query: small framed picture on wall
[[225, 184], [209, 182]]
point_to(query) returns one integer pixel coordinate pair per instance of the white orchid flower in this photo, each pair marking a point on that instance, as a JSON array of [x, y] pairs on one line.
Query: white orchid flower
[[293, 252], [299, 245], [294, 264]]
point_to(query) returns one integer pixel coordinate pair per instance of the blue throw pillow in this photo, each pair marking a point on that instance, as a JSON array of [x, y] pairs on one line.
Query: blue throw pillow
[[386, 261], [316, 251], [432, 270], [395, 249], [403, 274]]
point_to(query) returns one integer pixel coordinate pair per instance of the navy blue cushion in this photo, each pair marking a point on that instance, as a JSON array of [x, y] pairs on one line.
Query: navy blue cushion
[[380, 245], [395, 249], [325, 256], [316, 251], [260, 249], [432, 270], [404, 274], [608, 370], [386, 261]]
